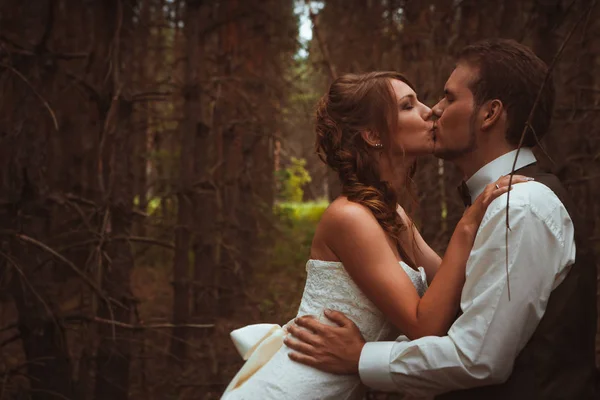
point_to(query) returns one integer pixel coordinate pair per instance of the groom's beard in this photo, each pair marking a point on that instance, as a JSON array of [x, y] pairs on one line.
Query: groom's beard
[[453, 154]]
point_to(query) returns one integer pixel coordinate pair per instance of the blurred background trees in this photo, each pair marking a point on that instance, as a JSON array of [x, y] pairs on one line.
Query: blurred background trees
[[159, 185]]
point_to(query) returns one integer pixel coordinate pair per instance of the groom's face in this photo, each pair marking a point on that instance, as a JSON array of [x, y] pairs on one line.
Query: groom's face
[[455, 134]]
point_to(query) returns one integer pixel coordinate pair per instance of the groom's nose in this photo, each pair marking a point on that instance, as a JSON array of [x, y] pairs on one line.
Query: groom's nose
[[436, 112], [426, 112]]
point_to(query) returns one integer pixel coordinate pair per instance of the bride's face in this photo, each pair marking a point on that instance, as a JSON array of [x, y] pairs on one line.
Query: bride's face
[[413, 134]]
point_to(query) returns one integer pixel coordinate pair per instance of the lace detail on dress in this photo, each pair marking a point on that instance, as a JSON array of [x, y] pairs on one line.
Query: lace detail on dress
[[328, 285]]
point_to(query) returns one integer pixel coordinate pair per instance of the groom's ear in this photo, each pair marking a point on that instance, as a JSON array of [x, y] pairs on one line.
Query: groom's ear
[[493, 112]]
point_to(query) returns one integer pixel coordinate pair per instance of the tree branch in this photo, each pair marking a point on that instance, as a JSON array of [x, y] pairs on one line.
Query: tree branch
[[140, 326], [528, 125], [77, 271], [44, 102]]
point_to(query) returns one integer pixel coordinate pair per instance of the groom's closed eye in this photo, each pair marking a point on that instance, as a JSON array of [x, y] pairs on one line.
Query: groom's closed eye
[[449, 96]]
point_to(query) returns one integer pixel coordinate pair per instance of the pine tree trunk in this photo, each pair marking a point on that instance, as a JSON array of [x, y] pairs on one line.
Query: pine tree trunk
[[185, 195], [113, 356], [29, 131]]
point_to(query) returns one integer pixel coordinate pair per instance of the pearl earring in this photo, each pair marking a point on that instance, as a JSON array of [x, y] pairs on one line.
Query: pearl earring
[[378, 145]]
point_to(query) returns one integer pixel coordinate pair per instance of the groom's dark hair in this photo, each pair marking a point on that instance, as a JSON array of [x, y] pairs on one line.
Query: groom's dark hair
[[513, 74]]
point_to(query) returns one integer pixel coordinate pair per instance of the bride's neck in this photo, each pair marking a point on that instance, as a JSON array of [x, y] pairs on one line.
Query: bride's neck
[[396, 173]]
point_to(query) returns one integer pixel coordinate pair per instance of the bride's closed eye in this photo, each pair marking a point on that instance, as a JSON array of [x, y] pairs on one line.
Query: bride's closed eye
[[406, 106]]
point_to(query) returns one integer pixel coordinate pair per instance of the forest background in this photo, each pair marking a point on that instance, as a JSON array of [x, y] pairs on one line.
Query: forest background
[[159, 185]]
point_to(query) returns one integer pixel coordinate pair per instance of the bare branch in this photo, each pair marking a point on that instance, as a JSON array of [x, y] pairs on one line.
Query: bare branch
[[151, 326], [77, 271], [30, 285], [14, 71], [528, 125], [140, 239], [140, 326]]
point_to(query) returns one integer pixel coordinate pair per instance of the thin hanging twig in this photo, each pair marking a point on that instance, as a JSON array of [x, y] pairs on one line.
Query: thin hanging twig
[[529, 126]]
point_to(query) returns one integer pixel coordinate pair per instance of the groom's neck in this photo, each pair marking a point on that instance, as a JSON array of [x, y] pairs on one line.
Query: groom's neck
[[470, 163]]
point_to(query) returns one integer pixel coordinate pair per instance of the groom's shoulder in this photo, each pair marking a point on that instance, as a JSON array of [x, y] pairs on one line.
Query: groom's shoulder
[[530, 196]]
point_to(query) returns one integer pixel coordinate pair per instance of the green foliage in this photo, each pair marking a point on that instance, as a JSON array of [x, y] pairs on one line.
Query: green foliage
[[297, 223], [296, 212], [152, 206], [292, 179], [281, 280]]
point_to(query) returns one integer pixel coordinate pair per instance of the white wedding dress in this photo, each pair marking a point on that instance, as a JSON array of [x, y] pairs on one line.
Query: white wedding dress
[[270, 374]]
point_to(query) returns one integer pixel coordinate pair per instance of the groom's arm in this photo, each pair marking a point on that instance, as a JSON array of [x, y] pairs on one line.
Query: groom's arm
[[483, 343]]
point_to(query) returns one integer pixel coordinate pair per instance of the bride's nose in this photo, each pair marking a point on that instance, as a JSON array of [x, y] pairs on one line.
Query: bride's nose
[[426, 112]]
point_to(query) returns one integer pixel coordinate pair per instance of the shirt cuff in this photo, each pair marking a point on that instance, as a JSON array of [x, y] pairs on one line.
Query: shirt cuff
[[374, 366]]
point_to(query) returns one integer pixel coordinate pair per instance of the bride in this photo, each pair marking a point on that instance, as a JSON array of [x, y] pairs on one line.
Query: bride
[[367, 258]]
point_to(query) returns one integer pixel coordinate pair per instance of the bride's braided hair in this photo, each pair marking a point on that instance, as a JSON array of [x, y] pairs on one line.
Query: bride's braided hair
[[357, 103]]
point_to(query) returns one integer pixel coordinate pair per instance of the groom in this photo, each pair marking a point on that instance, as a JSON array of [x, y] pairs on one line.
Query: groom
[[528, 335]]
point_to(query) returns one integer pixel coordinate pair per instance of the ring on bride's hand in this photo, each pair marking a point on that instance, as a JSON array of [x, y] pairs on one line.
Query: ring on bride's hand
[[497, 187]]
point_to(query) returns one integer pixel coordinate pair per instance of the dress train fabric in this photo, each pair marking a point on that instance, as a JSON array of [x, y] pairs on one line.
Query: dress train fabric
[[260, 340]]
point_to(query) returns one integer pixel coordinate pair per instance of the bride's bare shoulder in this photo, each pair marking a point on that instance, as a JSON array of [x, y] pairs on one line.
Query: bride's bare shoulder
[[342, 221], [343, 213]]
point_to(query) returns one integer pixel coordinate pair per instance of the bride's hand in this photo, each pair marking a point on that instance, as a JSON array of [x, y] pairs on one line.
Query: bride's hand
[[473, 215]]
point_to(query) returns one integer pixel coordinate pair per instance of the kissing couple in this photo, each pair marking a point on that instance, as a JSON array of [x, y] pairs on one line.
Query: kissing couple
[[509, 311]]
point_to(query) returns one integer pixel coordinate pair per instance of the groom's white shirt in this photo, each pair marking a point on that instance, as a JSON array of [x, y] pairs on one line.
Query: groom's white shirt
[[483, 343]]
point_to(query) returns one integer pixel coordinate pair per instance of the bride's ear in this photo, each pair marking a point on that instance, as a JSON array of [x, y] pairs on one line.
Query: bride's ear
[[372, 139], [493, 112]]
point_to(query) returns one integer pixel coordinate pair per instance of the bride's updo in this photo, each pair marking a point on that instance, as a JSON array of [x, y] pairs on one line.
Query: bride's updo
[[357, 103]]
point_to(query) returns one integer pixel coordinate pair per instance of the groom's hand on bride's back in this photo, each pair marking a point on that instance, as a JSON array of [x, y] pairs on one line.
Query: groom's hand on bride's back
[[334, 349]]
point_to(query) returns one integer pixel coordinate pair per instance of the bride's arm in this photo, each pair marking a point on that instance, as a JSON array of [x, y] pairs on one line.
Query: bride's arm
[[362, 246], [423, 255], [355, 236]]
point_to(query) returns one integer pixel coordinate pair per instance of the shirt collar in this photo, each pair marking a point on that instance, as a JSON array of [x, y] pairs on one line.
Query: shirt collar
[[498, 167]]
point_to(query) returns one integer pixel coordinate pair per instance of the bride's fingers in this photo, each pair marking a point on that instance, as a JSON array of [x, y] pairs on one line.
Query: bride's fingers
[[505, 180], [500, 191], [501, 186], [303, 335], [495, 194]]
